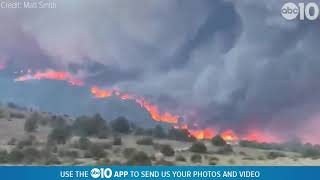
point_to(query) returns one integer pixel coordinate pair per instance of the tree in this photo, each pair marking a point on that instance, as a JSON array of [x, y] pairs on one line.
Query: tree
[[139, 158], [180, 135], [196, 158], [218, 141], [3, 156], [31, 123], [15, 156], [145, 141], [60, 134], [91, 126], [120, 125], [97, 151], [167, 150], [198, 147], [159, 132], [84, 143]]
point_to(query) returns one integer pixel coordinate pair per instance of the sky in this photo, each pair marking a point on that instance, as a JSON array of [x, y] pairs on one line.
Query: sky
[[229, 64]]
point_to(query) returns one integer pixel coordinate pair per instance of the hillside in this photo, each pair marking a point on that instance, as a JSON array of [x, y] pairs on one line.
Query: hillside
[[110, 143]]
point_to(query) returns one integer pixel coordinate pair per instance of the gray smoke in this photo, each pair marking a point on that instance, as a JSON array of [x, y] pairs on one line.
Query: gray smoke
[[234, 63]]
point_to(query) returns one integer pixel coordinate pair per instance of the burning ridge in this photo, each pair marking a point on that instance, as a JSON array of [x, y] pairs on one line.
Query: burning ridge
[[51, 75], [156, 114]]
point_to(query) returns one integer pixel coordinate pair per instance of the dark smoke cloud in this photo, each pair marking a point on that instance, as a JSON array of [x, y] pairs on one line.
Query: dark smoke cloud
[[234, 62]]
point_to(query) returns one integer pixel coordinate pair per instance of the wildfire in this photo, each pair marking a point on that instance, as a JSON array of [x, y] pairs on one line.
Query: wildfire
[[259, 136], [151, 108], [206, 133], [99, 93], [229, 135], [51, 75]]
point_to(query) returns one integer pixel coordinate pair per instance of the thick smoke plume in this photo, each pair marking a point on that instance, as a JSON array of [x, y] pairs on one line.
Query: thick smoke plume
[[221, 64]]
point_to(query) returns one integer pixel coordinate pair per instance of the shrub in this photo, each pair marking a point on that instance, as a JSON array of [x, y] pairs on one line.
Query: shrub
[[117, 141], [31, 123], [139, 158], [159, 132], [49, 158], [15, 156], [145, 141], [227, 149], [180, 135], [231, 161], [69, 154], [260, 157], [51, 147], [218, 141], [129, 152], [198, 147], [275, 155], [91, 126], [213, 159], [311, 152], [29, 141], [196, 158], [120, 125], [57, 121], [3, 156], [31, 154], [167, 150], [84, 143], [181, 158], [2, 114], [60, 134], [97, 151], [106, 145]]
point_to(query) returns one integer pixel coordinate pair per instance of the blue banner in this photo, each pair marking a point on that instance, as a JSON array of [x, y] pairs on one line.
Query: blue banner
[[160, 172]]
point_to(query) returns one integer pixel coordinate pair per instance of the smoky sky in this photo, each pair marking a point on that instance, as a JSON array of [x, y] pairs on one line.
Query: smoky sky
[[232, 63]]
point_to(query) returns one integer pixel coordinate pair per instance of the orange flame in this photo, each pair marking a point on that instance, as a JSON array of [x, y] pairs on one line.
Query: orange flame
[[51, 75], [259, 136], [99, 93], [229, 135], [206, 133], [152, 109]]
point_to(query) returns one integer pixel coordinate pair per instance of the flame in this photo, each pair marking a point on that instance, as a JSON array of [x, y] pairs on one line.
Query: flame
[[99, 93], [151, 108], [260, 136], [229, 135], [51, 75], [206, 133], [157, 115]]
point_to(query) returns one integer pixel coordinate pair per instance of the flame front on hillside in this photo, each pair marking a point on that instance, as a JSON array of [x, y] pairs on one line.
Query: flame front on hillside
[[161, 116], [51, 75]]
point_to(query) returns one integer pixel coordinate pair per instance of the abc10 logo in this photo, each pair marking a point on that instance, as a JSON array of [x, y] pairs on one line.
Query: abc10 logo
[[291, 11]]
